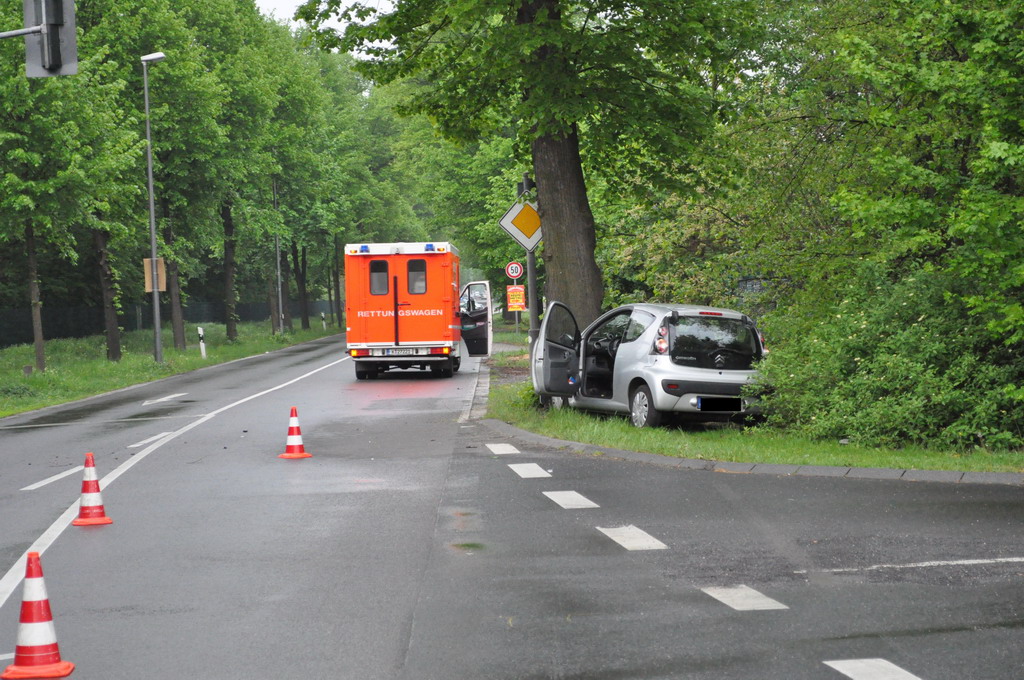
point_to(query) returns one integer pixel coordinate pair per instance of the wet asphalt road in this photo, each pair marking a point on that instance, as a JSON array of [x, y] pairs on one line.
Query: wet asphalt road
[[408, 548]]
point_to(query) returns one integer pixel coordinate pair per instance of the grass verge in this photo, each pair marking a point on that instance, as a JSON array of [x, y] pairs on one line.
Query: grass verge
[[511, 400], [78, 368]]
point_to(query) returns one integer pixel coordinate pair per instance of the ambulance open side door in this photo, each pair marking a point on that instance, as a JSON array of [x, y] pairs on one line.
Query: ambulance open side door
[[477, 328]]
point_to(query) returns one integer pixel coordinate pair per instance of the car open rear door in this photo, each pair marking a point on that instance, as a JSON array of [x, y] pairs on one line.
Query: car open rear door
[[555, 356], [476, 318]]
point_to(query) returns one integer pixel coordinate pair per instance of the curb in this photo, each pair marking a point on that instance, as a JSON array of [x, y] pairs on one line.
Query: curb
[[778, 470]]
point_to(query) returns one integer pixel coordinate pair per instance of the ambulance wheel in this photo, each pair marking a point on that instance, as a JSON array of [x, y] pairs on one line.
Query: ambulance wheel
[[444, 369], [456, 362], [366, 373]]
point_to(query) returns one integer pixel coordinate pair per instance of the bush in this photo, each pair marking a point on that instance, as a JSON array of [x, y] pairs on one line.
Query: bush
[[897, 363]]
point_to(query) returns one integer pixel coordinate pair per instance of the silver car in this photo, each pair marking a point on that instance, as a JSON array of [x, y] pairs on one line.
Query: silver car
[[648, 360]]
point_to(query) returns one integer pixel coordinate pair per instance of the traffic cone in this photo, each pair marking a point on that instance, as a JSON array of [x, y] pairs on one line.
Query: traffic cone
[[36, 654], [90, 510], [294, 447]]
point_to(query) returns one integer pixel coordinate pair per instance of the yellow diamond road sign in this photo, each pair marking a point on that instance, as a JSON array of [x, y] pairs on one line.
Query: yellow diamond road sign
[[523, 222]]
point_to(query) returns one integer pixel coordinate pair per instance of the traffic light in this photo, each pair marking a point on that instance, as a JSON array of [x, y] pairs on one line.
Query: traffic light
[[54, 50]]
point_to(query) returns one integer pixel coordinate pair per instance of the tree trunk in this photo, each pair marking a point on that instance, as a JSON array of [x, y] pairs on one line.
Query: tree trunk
[[336, 282], [570, 239], [286, 290], [274, 311], [108, 288], [299, 265], [571, 272], [34, 298], [230, 296], [173, 283]]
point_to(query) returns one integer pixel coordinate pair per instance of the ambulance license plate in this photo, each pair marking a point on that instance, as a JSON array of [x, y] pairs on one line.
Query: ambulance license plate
[[400, 352]]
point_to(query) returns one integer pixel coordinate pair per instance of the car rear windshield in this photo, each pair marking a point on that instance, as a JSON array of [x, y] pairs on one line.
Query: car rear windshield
[[715, 342]]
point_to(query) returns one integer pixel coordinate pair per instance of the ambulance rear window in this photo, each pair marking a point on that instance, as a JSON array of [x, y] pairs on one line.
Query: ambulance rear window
[[378, 277], [417, 277]]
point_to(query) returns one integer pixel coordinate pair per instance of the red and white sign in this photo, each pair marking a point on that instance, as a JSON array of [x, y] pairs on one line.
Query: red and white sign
[[514, 270], [516, 298]]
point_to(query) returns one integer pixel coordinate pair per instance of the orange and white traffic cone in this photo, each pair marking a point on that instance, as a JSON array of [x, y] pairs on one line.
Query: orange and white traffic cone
[[91, 510], [294, 447], [36, 654]]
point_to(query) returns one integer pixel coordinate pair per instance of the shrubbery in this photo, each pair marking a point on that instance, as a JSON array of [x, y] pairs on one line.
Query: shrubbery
[[897, 363]]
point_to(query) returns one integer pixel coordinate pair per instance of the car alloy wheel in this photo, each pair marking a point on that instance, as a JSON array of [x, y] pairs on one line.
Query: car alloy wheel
[[641, 408]]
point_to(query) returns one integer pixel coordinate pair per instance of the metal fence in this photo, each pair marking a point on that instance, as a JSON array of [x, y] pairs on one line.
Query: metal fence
[[79, 322]]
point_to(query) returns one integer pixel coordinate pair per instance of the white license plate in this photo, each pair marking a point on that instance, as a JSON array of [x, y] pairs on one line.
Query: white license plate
[[400, 352]]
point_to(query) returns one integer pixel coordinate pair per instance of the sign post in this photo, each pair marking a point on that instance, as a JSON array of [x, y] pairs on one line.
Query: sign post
[[522, 222]]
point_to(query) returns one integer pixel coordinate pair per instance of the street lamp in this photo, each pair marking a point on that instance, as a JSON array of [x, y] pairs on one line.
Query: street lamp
[[158, 351]]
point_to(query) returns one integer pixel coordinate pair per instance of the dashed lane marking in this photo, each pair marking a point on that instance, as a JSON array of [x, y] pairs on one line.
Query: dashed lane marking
[[502, 449], [33, 487], [529, 470], [870, 669], [632, 538], [570, 500], [743, 598]]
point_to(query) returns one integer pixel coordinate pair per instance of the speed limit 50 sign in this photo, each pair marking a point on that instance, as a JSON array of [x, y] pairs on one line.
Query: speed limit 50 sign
[[514, 270]]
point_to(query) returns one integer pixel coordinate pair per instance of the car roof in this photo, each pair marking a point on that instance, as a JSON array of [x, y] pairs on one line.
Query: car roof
[[659, 308]]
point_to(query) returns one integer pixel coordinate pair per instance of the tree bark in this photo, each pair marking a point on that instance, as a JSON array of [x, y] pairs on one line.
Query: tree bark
[[34, 298], [571, 272], [570, 238], [173, 283], [336, 282], [299, 266], [230, 295], [286, 290], [108, 289], [274, 311]]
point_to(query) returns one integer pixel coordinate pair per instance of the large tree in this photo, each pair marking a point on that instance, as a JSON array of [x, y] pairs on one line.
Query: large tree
[[606, 80]]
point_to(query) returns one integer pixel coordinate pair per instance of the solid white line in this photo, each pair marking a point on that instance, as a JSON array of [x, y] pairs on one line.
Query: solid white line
[[529, 470], [33, 487], [632, 538], [502, 449], [146, 441], [5, 657], [919, 565], [167, 398], [570, 500], [870, 669], [744, 599], [16, 573]]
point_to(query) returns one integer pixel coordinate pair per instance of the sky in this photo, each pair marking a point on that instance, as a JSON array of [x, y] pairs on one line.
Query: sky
[[279, 9]]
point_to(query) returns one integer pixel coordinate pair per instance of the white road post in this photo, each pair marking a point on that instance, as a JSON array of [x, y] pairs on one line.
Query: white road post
[[202, 342]]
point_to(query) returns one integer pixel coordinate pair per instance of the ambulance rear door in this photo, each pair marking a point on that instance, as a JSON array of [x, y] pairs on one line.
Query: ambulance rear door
[[477, 329]]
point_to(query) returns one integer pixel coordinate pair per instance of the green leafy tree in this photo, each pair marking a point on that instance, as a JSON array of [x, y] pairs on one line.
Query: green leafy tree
[[601, 80]]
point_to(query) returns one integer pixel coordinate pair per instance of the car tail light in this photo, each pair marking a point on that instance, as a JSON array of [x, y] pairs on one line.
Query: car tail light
[[764, 345], [661, 342], [710, 314]]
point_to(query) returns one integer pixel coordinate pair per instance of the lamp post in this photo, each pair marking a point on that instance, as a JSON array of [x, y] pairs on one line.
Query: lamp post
[[158, 351]]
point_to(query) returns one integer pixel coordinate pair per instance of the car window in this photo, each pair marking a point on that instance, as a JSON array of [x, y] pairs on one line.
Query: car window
[[638, 323], [714, 342], [612, 328], [560, 327]]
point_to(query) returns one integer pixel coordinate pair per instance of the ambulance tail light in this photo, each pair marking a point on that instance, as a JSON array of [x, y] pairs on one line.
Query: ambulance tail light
[[440, 350], [359, 352]]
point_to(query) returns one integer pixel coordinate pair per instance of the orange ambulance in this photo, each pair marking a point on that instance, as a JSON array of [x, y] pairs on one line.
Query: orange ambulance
[[404, 308]]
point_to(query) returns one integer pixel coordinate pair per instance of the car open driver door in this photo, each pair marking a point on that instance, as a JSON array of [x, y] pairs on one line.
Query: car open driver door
[[476, 318], [554, 365]]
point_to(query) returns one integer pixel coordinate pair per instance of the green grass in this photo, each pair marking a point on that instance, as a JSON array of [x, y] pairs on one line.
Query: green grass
[[514, 404], [78, 368]]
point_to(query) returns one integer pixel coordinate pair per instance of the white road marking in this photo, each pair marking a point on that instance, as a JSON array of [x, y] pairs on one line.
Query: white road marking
[[502, 449], [529, 470], [570, 500], [16, 573], [4, 657], [919, 565], [146, 441], [870, 669], [167, 398], [632, 538], [744, 599], [33, 487]]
